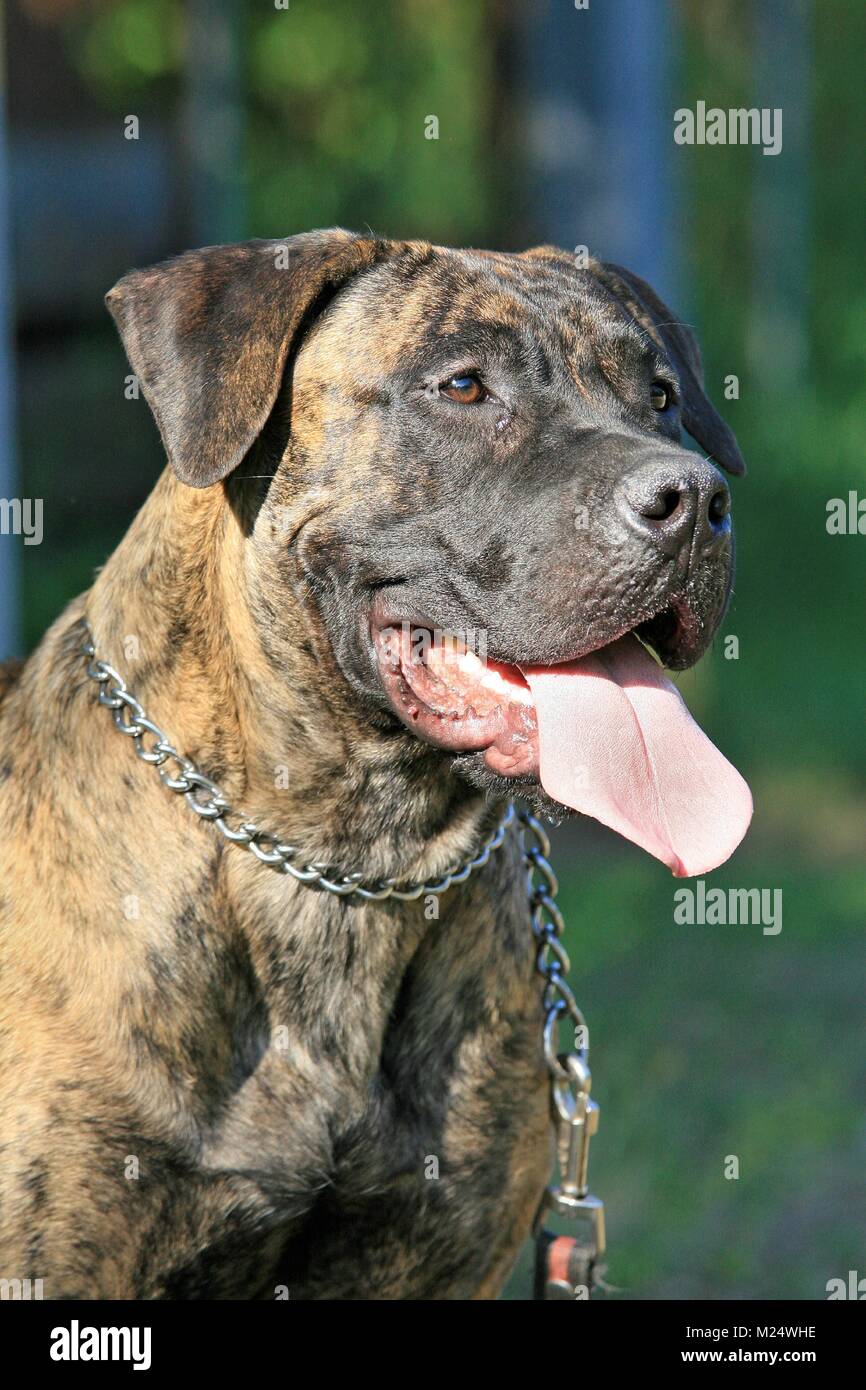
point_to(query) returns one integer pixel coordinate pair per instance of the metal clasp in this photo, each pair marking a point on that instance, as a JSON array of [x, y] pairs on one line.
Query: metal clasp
[[577, 1118]]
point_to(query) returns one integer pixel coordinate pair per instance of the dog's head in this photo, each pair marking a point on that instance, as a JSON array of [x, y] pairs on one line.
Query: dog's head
[[471, 465]]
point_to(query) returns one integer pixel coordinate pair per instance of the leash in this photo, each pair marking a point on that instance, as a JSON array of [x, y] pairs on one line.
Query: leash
[[565, 1266]]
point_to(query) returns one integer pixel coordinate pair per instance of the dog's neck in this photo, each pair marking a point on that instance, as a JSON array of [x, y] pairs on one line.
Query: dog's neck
[[258, 703]]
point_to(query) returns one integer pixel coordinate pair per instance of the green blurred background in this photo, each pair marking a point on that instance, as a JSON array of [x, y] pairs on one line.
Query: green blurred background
[[554, 124]]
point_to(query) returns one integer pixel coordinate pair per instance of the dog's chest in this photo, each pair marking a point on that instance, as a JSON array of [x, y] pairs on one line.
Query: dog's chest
[[417, 1188], [394, 1140]]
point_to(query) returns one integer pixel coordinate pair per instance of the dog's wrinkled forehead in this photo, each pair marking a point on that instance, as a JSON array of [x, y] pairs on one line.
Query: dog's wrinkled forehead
[[213, 335], [442, 308]]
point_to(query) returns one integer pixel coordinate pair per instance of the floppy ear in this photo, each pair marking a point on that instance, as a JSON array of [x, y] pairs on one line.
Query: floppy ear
[[700, 417], [209, 333]]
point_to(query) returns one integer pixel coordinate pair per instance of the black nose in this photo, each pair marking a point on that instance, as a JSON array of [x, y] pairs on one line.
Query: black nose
[[676, 503]]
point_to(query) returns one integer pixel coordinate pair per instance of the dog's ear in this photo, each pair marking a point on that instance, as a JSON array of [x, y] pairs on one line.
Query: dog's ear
[[208, 335], [700, 417]]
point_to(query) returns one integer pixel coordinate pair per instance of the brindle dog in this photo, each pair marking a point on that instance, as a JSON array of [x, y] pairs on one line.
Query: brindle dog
[[214, 1080]]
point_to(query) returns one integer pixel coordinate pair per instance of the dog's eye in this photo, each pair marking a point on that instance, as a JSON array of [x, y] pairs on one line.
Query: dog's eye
[[660, 395], [465, 389]]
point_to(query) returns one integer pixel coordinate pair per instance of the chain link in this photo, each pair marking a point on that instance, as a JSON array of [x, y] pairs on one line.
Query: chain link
[[205, 799], [553, 965], [574, 1113]]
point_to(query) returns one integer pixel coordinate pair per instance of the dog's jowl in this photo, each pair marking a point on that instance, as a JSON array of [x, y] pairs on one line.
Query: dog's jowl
[[222, 1081]]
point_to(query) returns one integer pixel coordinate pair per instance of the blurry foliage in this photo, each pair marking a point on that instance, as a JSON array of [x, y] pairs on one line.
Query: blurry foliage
[[336, 97], [121, 49], [795, 697], [338, 101]]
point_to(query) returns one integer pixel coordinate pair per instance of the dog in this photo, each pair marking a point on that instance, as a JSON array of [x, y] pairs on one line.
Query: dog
[[223, 1082]]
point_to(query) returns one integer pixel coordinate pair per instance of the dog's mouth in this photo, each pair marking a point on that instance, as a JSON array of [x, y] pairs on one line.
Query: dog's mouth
[[606, 733]]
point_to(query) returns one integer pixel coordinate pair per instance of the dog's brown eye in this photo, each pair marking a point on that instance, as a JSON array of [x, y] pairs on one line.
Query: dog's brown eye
[[466, 390], [660, 396]]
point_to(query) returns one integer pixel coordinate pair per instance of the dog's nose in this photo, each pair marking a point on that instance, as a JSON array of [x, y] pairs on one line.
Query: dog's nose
[[676, 502]]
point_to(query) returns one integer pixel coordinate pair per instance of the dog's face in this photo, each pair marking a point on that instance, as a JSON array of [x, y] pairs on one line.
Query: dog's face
[[472, 463]]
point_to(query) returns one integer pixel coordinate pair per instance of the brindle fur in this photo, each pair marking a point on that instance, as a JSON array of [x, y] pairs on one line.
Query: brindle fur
[[280, 1063]]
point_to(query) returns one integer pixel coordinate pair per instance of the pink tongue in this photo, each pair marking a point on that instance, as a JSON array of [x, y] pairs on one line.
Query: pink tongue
[[617, 742]]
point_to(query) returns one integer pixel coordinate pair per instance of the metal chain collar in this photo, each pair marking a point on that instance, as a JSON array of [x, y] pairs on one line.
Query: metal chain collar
[[205, 798], [574, 1114]]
